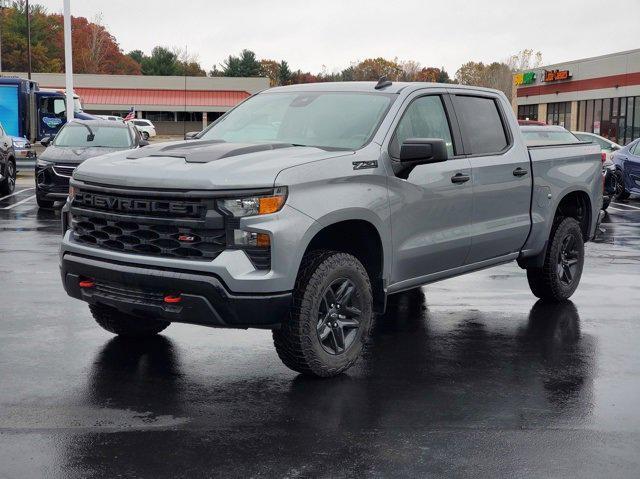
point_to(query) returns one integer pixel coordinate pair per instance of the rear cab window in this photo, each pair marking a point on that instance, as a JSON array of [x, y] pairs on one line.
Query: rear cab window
[[482, 124]]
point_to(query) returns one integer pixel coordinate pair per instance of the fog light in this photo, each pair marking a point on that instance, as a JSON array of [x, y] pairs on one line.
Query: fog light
[[248, 238]]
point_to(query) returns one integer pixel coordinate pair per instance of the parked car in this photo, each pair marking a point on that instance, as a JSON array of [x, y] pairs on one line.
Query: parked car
[[627, 170], [145, 127], [304, 207], [531, 122], [607, 146], [7, 163], [76, 142], [536, 135], [111, 117]]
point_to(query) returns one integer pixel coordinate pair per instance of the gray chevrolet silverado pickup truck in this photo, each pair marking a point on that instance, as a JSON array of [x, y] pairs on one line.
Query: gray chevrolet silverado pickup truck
[[303, 208]]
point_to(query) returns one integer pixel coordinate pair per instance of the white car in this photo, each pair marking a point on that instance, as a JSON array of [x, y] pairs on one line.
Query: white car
[[145, 127], [111, 117], [607, 146]]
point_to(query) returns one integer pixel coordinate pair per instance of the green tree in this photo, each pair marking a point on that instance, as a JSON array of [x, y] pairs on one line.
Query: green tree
[[245, 65], [284, 73]]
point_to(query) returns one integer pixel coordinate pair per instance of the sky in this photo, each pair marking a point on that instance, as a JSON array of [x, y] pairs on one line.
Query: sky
[[331, 34]]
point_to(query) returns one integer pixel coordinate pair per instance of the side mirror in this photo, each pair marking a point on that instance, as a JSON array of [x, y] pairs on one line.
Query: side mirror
[[418, 151], [190, 135], [45, 140], [142, 143]]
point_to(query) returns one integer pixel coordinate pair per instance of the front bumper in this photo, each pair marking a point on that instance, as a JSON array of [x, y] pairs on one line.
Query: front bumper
[[139, 291]]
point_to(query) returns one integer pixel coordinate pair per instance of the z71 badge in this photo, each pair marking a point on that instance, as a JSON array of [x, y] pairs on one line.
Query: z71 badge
[[363, 165]]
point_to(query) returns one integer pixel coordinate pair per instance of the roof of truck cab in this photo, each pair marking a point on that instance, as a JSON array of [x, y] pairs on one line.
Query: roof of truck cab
[[369, 87]]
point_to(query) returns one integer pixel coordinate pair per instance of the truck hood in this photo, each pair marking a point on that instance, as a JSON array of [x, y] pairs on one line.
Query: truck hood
[[70, 154], [200, 164]]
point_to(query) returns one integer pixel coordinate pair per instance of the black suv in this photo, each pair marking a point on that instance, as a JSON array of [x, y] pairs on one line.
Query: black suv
[[7, 164], [77, 141]]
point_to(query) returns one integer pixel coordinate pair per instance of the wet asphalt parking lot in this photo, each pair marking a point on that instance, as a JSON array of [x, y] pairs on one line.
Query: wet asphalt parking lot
[[467, 377]]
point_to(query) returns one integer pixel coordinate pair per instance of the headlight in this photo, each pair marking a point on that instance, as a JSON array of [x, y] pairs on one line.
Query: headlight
[[43, 163], [255, 205], [20, 144]]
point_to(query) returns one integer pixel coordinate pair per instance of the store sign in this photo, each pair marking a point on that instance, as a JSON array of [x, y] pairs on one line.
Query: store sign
[[526, 78], [556, 75]]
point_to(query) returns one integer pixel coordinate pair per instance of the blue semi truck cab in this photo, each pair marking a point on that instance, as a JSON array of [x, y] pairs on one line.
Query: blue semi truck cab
[[28, 112]]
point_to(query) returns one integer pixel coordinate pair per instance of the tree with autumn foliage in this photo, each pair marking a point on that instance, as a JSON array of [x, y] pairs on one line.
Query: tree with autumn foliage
[[95, 50]]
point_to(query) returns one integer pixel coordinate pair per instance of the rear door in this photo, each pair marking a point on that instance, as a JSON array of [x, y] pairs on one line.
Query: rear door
[[431, 204], [501, 176]]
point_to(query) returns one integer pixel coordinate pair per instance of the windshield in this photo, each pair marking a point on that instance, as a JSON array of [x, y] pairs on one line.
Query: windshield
[[548, 137], [322, 119], [104, 136]]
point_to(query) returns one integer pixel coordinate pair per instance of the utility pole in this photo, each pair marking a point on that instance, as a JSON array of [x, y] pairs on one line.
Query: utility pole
[[28, 40], [68, 59]]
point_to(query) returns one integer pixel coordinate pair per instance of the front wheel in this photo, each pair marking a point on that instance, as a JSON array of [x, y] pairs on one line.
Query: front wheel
[[8, 185], [621, 192], [124, 324], [331, 316], [560, 275], [145, 135]]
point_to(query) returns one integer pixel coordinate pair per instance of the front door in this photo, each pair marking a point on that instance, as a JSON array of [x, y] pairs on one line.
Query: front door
[[502, 179], [431, 205]]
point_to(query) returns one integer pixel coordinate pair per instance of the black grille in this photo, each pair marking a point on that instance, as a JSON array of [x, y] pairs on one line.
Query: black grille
[[155, 232], [156, 240], [120, 293]]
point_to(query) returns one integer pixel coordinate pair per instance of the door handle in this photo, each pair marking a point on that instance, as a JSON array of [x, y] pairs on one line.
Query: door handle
[[519, 172], [460, 178]]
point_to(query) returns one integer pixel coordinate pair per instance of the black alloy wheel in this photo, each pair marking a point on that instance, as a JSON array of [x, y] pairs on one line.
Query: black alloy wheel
[[339, 316], [568, 259]]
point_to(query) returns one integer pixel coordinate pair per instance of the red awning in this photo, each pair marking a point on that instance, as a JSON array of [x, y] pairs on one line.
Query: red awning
[[134, 97]]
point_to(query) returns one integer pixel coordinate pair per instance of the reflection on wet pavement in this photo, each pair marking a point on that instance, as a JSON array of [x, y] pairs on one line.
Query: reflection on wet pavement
[[467, 377]]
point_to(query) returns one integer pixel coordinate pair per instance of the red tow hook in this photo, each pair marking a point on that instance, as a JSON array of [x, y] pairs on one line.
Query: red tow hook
[[86, 283], [172, 298]]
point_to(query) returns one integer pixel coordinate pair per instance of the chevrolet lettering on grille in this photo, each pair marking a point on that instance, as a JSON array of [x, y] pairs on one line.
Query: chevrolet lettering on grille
[[136, 205]]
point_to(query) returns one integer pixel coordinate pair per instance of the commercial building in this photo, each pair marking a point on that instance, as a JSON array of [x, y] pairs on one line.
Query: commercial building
[[173, 104], [599, 95]]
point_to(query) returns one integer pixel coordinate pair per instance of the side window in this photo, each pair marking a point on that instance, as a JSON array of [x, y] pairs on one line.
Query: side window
[[425, 117], [52, 106], [481, 125], [636, 149]]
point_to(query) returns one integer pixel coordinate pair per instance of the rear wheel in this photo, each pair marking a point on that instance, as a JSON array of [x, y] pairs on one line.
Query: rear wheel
[[331, 316], [8, 185], [621, 192], [124, 324], [560, 275], [145, 135]]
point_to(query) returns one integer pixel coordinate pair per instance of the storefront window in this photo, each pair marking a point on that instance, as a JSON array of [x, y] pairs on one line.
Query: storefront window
[[559, 114], [617, 119], [528, 112]]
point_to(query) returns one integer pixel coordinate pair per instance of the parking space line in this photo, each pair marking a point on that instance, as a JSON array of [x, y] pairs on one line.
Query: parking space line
[[628, 206], [18, 203], [619, 209], [17, 193]]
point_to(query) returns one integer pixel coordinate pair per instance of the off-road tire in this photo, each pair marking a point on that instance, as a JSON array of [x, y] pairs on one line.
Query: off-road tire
[[124, 324], [44, 203], [622, 193], [8, 185], [545, 282], [297, 342]]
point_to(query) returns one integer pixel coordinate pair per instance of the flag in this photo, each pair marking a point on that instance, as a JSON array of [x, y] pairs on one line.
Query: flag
[[131, 115]]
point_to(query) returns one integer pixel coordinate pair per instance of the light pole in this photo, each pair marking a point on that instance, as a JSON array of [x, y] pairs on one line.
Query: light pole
[[28, 41], [3, 5], [68, 59]]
